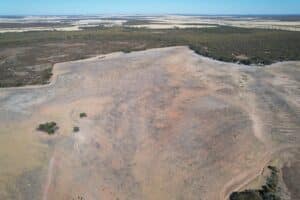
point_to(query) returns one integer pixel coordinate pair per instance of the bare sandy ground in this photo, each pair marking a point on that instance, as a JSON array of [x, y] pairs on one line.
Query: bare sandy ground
[[19, 30], [162, 124], [156, 22], [170, 26], [192, 21]]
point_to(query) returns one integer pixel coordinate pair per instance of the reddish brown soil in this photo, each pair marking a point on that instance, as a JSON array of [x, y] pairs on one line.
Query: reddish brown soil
[[161, 124]]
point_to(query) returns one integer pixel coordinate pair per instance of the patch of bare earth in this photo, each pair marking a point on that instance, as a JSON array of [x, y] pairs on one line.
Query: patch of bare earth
[[161, 124]]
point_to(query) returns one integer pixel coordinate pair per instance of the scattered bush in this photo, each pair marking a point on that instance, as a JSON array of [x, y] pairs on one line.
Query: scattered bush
[[126, 51], [78, 198], [82, 115], [76, 129], [49, 127], [245, 62]]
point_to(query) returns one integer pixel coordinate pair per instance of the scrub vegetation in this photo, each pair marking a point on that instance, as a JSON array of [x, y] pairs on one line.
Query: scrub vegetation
[[267, 192], [27, 58], [49, 127], [76, 129], [82, 115]]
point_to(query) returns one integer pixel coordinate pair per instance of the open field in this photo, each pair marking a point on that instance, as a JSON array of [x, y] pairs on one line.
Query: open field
[[289, 23], [27, 23], [160, 124], [27, 58]]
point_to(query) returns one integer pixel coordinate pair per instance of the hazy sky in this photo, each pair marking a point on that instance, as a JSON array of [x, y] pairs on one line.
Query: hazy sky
[[149, 7]]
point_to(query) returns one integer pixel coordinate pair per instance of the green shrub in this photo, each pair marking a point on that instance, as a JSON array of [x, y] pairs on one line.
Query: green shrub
[[126, 51], [245, 62], [76, 129], [82, 115], [49, 127]]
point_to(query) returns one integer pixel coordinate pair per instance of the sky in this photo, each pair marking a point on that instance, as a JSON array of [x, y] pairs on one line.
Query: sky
[[69, 7]]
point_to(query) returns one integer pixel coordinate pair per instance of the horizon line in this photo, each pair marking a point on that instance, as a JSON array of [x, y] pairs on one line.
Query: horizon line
[[156, 14]]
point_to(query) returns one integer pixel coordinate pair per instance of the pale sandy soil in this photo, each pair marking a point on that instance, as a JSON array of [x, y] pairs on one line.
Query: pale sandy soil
[[170, 26], [157, 22], [192, 21], [162, 124], [99, 21], [68, 28], [277, 25]]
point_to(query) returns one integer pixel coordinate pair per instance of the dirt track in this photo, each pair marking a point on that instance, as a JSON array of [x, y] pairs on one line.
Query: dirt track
[[162, 124]]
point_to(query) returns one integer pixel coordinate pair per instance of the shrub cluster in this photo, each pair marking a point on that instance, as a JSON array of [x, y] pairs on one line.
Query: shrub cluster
[[49, 127]]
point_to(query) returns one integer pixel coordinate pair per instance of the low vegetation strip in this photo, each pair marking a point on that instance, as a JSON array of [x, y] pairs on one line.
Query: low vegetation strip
[[21, 54], [269, 191]]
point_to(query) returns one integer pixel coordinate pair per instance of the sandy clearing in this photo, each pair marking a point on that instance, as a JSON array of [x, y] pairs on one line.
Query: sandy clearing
[[173, 20], [161, 22], [170, 23], [11, 30], [162, 124], [170, 26]]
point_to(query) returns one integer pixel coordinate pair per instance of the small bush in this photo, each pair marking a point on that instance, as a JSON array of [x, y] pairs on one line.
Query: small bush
[[76, 129], [82, 115], [126, 51], [78, 198], [245, 62], [49, 127]]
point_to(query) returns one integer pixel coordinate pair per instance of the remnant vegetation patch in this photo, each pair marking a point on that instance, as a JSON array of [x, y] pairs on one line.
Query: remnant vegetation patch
[[48, 127], [269, 191]]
